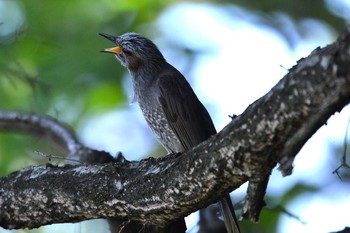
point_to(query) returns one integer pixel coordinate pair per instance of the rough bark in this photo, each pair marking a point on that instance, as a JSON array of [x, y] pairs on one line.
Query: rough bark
[[155, 191]]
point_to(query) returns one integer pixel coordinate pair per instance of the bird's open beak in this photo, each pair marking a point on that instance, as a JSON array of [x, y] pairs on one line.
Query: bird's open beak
[[115, 50]]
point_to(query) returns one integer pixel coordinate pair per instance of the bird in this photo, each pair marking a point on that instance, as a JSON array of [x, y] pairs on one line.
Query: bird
[[171, 108]]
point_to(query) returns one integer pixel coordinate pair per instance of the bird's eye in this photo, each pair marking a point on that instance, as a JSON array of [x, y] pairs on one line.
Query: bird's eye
[[127, 52]]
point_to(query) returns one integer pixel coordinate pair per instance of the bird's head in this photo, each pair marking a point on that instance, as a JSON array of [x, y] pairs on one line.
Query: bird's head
[[134, 51]]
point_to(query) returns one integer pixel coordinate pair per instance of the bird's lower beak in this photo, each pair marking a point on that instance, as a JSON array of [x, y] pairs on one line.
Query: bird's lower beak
[[115, 50]]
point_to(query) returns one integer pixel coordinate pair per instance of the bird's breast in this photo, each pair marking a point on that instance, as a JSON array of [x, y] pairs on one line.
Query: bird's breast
[[155, 117]]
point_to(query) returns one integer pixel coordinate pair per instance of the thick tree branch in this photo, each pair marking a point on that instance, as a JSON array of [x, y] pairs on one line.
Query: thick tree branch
[[55, 131], [155, 191], [44, 126]]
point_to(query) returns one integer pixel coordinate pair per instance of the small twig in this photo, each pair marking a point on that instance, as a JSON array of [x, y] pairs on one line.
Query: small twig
[[343, 160], [233, 116], [123, 225], [283, 67], [50, 157]]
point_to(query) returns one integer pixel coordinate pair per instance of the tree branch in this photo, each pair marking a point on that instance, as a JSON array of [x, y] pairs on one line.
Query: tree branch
[[44, 126], [155, 191], [56, 132]]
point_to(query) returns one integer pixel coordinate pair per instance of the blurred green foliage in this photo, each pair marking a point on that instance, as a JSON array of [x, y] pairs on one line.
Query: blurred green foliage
[[50, 61]]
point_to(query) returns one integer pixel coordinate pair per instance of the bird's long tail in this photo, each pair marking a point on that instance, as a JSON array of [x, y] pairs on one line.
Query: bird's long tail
[[228, 212]]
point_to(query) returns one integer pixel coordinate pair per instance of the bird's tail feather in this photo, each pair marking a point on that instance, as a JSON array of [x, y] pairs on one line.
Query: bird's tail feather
[[228, 212]]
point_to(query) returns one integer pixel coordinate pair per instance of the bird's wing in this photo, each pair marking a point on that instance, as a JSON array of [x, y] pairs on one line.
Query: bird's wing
[[186, 115]]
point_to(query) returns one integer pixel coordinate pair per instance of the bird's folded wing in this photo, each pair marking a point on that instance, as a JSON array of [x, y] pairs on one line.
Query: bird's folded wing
[[186, 115]]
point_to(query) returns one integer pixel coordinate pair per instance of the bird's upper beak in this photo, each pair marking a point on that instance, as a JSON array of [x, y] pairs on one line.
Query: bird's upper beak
[[115, 50]]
